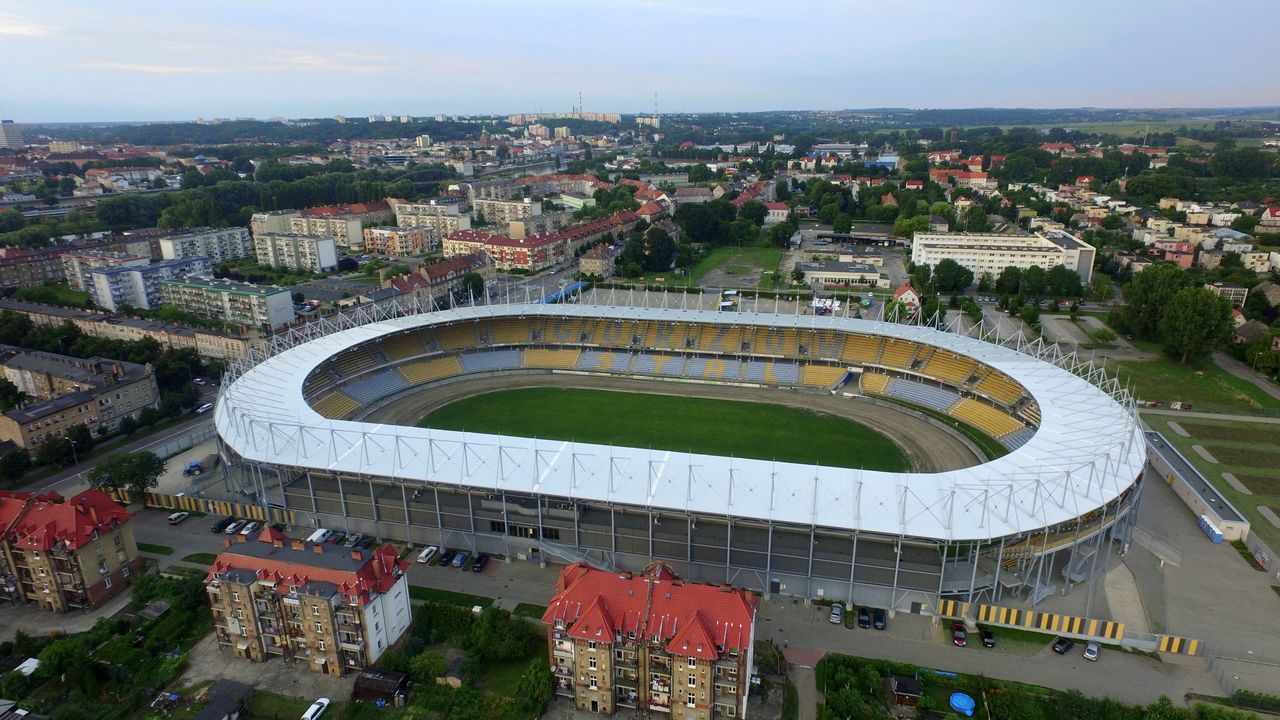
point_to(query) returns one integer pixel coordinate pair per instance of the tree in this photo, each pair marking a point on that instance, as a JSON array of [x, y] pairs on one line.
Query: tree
[[55, 451], [10, 396], [1030, 314], [951, 277], [426, 666], [1148, 294], [986, 282], [81, 439], [534, 689], [1194, 322], [1034, 281], [975, 219], [753, 210], [842, 223], [1010, 281], [137, 472], [1100, 289], [14, 463], [1112, 222], [473, 285], [1063, 282]]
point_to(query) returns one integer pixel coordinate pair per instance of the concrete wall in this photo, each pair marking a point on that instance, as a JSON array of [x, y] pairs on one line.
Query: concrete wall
[[1197, 505]]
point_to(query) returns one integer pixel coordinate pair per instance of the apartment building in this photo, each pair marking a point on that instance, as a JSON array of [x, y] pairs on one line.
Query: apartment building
[[501, 212], [43, 375], [399, 241], [29, 268], [334, 609], [598, 262], [650, 642], [119, 390], [437, 281], [344, 223], [311, 253], [1237, 294], [230, 302], [438, 219], [30, 425], [219, 245], [77, 265], [274, 221], [72, 554], [983, 252], [11, 136], [139, 286], [536, 252]]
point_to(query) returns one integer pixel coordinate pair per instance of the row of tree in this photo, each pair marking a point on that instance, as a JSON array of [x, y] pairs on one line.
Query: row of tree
[[1165, 305]]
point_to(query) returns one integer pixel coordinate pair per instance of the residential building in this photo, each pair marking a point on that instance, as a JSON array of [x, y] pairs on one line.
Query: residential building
[[218, 244], [1182, 254], [835, 274], [275, 221], [777, 212], [984, 252], [1237, 294], [344, 223], [650, 642], [76, 265], [335, 609], [122, 388], [309, 253], [439, 219], [139, 287], [501, 212], [11, 136], [536, 252], [65, 554], [691, 195], [231, 302], [437, 281], [1269, 221], [32, 424], [29, 268], [576, 201], [398, 241], [907, 295], [598, 262], [1250, 331]]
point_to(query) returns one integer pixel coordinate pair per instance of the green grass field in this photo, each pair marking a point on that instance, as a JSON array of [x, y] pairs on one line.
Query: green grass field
[[1246, 450], [668, 422], [1207, 387]]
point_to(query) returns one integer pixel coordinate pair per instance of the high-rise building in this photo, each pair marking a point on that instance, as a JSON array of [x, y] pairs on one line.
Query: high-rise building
[[438, 219], [399, 241], [230, 302], [993, 252], [11, 136], [292, 251], [139, 287], [77, 265], [217, 244]]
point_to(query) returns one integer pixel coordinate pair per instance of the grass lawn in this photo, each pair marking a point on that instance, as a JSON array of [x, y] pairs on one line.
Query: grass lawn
[[155, 549], [1015, 641], [1207, 387], [426, 594], [200, 558], [503, 678], [529, 610], [737, 260], [1246, 450], [668, 422]]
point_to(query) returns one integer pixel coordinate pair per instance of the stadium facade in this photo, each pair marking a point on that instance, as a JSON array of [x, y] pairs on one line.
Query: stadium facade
[[1045, 513]]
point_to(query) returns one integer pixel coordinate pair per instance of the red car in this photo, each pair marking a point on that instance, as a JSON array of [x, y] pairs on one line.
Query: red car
[[959, 635]]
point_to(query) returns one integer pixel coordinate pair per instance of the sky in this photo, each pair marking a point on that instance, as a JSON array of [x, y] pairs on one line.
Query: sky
[[179, 60]]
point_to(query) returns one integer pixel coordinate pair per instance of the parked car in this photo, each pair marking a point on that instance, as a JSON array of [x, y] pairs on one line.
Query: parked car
[[317, 709], [250, 528], [221, 525], [959, 635], [1062, 646], [426, 555], [352, 540], [365, 543], [878, 619], [200, 381], [988, 639], [337, 538], [481, 561], [864, 618], [178, 517], [204, 408], [837, 614], [461, 558], [1091, 651], [233, 527], [446, 557]]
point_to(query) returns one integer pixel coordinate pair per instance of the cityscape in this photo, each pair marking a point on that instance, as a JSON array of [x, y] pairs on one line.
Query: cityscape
[[458, 384]]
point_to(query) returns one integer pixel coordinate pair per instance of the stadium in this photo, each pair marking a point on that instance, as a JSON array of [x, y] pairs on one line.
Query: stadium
[[304, 429]]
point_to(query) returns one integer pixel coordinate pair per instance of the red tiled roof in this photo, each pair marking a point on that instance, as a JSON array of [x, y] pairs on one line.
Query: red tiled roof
[[11, 506], [378, 574], [903, 289], [650, 208], [352, 209], [777, 206], [50, 520]]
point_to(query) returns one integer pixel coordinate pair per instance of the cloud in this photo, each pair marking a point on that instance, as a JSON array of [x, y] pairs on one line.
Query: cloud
[[336, 62], [148, 68], [10, 25]]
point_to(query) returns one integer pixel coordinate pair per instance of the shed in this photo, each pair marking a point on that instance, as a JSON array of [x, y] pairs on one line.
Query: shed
[[904, 689], [381, 687], [224, 700]]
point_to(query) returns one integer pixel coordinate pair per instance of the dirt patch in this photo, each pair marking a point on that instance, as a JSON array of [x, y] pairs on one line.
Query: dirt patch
[[1178, 429], [733, 275], [1269, 514], [1234, 482], [293, 677], [1202, 452]]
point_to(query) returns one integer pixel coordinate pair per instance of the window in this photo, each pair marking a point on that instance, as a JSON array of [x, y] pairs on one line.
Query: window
[[689, 700], [40, 572], [239, 614], [315, 610], [319, 628], [591, 663], [235, 597], [593, 682], [693, 662], [320, 646], [106, 583], [125, 571], [693, 681], [591, 645]]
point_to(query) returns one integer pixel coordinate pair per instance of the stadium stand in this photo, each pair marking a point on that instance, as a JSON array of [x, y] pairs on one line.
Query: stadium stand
[[656, 364], [376, 386], [353, 361], [1017, 438], [999, 387], [426, 371], [509, 332], [713, 368], [898, 354], [316, 383], [949, 367], [875, 383], [551, 359], [455, 337], [475, 362], [563, 330], [824, 376], [603, 361], [771, 373], [404, 345], [826, 344], [720, 338], [335, 405], [1031, 413], [929, 396], [985, 418], [859, 349]]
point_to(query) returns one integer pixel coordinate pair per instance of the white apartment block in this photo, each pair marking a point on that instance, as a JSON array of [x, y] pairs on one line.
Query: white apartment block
[[139, 287], [501, 212], [76, 266], [981, 252], [438, 219], [346, 231], [232, 302], [275, 221], [218, 244], [312, 253]]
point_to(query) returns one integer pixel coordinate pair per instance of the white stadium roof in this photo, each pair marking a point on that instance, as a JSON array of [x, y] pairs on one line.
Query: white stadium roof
[[1087, 451]]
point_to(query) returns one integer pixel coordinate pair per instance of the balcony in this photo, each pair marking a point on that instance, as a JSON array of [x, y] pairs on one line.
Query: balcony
[[628, 660], [351, 646], [626, 699], [563, 670], [564, 687], [562, 648]]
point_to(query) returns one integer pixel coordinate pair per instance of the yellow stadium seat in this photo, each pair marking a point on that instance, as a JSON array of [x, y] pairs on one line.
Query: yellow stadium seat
[[823, 376], [948, 367], [509, 331], [985, 418], [404, 345], [456, 337], [335, 406], [874, 383], [551, 359], [1000, 387], [898, 354], [860, 349], [426, 371]]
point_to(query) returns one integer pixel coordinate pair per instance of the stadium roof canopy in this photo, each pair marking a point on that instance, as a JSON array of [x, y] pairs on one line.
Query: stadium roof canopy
[[1087, 451]]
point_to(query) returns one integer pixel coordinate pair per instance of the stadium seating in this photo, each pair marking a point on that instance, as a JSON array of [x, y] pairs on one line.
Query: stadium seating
[[770, 372], [656, 364], [376, 386], [860, 349], [551, 359], [985, 418], [1031, 413], [458, 336], [823, 376], [948, 367], [999, 387], [563, 330], [898, 354], [930, 396], [783, 342], [609, 333], [335, 405], [426, 371], [509, 331], [923, 356], [603, 361], [477, 362], [353, 361], [315, 383], [826, 344], [875, 383], [713, 368], [403, 345], [1017, 438], [720, 338]]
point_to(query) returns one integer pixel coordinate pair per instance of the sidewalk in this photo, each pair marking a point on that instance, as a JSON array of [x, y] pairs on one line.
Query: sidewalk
[[1244, 372]]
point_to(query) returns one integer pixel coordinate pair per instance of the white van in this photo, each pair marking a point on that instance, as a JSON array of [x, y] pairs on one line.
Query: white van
[[426, 555], [320, 536]]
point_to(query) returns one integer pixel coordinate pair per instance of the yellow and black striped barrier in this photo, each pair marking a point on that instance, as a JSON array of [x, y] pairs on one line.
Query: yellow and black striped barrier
[[214, 507], [1178, 645], [953, 608], [1050, 622]]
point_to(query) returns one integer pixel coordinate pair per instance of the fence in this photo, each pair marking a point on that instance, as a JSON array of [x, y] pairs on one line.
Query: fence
[[165, 501]]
